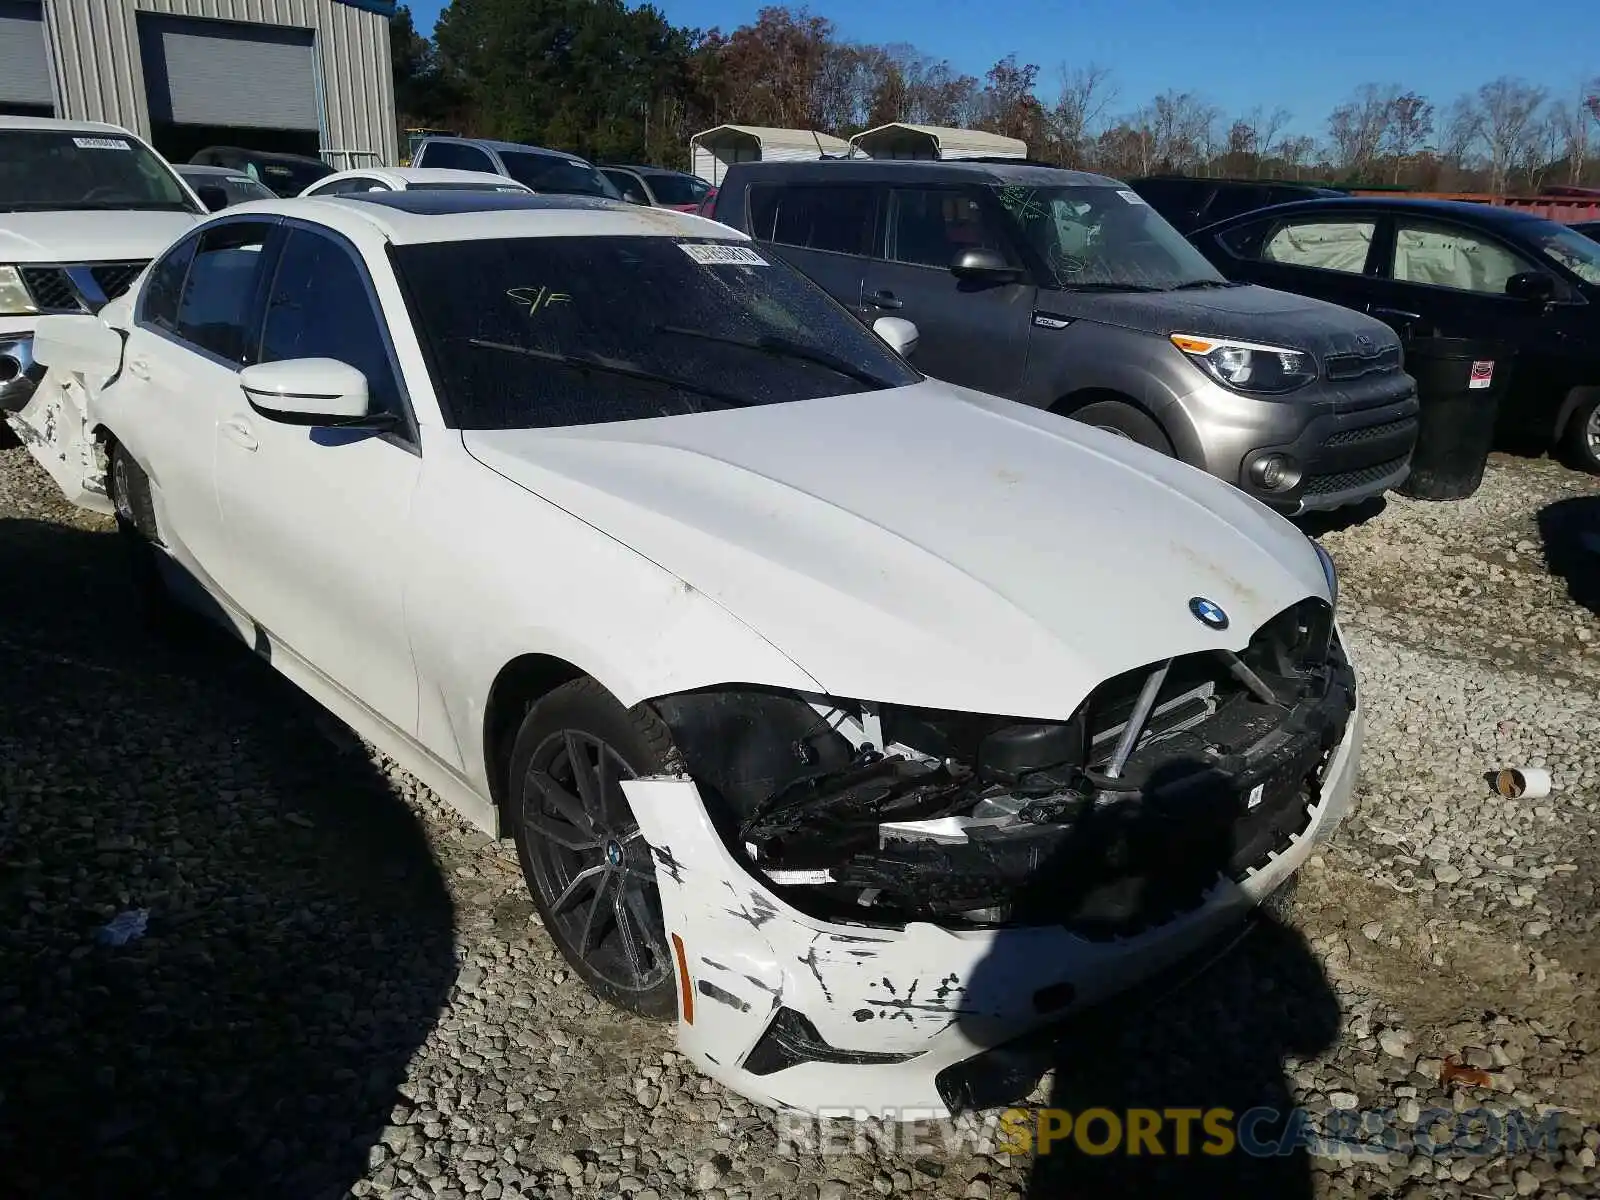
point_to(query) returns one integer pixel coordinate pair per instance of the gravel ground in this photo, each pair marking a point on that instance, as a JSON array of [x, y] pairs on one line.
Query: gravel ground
[[341, 990]]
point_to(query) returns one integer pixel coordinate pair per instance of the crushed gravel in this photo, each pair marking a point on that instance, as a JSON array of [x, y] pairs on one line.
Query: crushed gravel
[[340, 990]]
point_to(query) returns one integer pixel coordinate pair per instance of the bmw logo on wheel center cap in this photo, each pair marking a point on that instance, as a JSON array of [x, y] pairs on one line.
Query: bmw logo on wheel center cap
[[1208, 612]]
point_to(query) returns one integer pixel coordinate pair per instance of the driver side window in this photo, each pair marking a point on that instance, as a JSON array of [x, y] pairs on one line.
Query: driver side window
[[929, 227]]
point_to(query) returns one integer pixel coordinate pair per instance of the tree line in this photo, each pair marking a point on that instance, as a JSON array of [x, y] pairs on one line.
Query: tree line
[[615, 82]]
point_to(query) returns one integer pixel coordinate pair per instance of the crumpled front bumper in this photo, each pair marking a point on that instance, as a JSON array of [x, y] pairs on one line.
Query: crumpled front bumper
[[884, 1011]]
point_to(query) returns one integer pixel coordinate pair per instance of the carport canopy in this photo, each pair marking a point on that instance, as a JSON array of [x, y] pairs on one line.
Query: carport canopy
[[24, 57], [714, 150], [898, 139]]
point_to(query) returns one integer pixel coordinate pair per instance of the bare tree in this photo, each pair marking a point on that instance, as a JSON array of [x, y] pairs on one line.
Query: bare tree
[[1510, 109], [1184, 127], [1410, 122], [1267, 128], [1358, 127], [1577, 123], [1085, 94], [1296, 151]]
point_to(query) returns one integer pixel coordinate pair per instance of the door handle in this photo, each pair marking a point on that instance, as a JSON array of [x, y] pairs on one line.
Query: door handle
[[884, 300], [138, 368], [240, 434]]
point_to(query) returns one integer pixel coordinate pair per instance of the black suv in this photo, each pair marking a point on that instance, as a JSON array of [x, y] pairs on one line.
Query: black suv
[[1188, 203], [286, 174]]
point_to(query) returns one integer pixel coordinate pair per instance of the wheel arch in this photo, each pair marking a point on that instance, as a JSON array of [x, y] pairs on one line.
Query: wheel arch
[[1179, 435], [517, 687], [1575, 399]]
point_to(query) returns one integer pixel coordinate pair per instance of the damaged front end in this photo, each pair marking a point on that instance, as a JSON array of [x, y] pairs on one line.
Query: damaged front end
[[1108, 823]]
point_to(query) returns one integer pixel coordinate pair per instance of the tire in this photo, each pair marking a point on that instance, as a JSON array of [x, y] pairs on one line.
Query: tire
[[1581, 440], [586, 864], [1125, 421], [136, 526]]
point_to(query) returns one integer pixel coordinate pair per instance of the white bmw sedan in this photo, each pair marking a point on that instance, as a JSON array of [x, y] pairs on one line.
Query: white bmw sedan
[[861, 723]]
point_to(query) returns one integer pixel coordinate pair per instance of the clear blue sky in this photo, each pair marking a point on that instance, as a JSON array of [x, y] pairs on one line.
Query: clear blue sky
[[1236, 53]]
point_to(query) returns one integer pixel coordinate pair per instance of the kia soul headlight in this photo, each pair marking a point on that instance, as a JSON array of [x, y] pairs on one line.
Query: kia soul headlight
[[14, 298], [1249, 366]]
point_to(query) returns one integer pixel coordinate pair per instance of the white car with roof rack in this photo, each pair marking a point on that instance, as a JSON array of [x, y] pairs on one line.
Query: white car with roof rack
[[83, 207], [859, 722]]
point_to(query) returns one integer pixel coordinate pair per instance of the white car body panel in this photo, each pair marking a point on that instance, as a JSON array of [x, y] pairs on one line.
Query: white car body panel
[[924, 545], [400, 179], [74, 237]]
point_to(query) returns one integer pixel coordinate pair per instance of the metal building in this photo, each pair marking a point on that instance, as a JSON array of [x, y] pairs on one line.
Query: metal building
[[296, 76]]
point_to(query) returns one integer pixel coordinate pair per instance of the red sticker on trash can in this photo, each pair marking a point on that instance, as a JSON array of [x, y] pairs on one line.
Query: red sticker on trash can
[[1482, 375]]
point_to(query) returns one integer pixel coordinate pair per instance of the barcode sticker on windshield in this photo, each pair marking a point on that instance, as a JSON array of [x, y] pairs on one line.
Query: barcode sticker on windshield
[[1130, 196], [721, 254], [85, 143]]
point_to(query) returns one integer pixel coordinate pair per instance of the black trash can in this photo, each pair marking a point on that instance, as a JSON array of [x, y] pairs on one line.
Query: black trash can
[[1459, 385]]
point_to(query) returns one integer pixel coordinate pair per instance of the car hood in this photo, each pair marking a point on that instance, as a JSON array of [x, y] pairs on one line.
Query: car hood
[[927, 545], [1249, 312], [66, 236]]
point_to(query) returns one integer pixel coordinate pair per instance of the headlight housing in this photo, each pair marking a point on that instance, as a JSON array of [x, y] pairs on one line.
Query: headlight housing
[[15, 300], [1249, 366], [1329, 572]]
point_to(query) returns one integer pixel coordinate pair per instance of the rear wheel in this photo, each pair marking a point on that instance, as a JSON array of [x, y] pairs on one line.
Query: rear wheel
[[1125, 421], [582, 852], [1582, 440]]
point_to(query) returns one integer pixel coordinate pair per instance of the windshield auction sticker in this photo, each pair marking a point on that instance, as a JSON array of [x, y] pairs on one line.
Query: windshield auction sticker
[[1131, 196], [94, 143], [721, 254]]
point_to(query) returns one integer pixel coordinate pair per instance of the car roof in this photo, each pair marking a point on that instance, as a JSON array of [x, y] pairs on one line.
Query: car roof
[[264, 155], [1459, 210], [877, 170], [56, 125], [208, 169], [643, 170], [406, 218], [409, 176], [517, 147]]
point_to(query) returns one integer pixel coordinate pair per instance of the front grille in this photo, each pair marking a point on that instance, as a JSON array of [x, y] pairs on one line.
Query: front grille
[[1354, 366], [51, 290], [114, 278], [1344, 481], [1349, 437]]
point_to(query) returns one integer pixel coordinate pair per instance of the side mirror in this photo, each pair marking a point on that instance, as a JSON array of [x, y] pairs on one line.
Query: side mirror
[[320, 392], [900, 334], [81, 344], [988, 265], [1531, 285], [213, 197]]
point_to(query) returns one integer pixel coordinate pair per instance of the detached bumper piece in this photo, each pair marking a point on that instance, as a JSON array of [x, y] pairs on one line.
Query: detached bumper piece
[[791, 1039]]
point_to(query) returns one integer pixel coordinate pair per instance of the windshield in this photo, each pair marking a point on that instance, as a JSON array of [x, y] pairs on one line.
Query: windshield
[[1104, 238], [552, 173], [287, 178], [1572, 250], [50, 169], [552, 331], [677, 189]]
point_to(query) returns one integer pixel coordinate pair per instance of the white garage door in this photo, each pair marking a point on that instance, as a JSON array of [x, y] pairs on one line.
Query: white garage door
[[221, 73], [24, 61]]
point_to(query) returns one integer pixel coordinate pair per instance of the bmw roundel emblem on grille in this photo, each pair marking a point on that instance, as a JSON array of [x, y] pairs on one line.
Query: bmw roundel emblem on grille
[[1208, 612]]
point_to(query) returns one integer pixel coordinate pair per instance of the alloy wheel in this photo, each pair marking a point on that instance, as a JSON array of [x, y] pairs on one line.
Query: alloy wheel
[[590, 861]]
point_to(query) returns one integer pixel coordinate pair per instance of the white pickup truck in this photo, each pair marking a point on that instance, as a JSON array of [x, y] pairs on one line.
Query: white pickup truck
[[83, 207]]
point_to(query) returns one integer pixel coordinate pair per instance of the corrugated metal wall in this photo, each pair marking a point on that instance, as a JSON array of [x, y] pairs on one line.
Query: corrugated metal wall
[[94, 48]]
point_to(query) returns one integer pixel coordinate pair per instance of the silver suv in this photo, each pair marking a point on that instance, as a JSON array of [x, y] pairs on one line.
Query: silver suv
[[1067, 291]]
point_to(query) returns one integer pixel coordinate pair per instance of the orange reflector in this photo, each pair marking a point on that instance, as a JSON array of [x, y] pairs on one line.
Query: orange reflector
[[1192, 345], [684, 987]]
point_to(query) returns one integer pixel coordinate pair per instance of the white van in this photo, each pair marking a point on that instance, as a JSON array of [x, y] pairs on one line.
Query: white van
[[83, 207]]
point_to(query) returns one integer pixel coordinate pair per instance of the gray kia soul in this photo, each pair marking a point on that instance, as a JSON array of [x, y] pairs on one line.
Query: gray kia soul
[[1066, 291]]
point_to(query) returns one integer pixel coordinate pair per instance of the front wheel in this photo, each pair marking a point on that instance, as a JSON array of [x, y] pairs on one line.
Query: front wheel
[[1125, 421], [136, 526], [582, 852], [1582, 440]]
